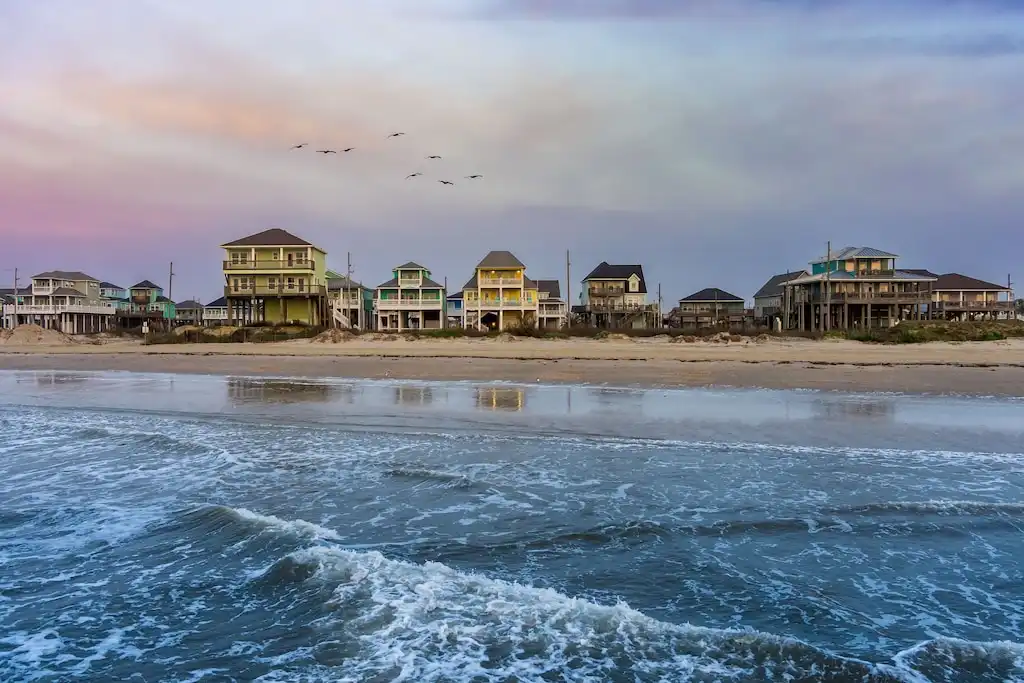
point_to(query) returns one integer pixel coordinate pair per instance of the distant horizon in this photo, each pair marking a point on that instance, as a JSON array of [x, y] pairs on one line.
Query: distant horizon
[[714, 143]]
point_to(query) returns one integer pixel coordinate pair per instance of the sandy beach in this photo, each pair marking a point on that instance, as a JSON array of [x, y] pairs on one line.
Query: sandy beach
[[979, 368]]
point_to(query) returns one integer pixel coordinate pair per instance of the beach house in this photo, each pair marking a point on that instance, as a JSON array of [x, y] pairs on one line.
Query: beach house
[[960, 297], [188, 312], [855, 288], [65, 300], [456, 316], [552, 309], [499, 296], [275, 277], [351, 302], [410, 300], [215, 313], [614, 296], [768, 299], [711, 308]]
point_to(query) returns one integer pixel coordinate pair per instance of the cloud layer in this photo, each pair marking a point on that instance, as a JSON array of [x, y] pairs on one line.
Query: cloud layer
[[716, 143]]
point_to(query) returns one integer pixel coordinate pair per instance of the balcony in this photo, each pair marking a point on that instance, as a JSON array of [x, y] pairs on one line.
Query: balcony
[[410, 304], [494, 304], [869, 298], [409, 282], [973, 305], [279, 290], [615, 307], [270, 265], [606, 292], [91, 309], [500, 282]]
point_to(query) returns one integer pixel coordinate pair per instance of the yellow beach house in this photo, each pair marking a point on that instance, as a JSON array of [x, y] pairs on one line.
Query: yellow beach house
[[275, 277], [499, 296]]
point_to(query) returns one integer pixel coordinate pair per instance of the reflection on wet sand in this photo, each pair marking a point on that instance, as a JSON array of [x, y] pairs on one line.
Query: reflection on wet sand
[[406, 395], [872, 409], [500, 398], [51, 378], [245, 390]]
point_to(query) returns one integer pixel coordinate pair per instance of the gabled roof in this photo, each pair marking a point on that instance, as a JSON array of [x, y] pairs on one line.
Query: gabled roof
[[64, 275], [109, 285], [552, 287], [847, 276], [188, 305], [610, 271], [427, 283], [712, 294], [774, 285], [145, 284], [222, 302], [66, 291], [274, 237], [955, 282], [456, 295], [919, 271], [500, 259], [164, 300], [411, 265], [342, 282], [11, 291], [855, 252]]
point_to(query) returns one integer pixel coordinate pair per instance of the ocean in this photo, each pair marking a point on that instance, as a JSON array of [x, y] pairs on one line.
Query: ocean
[[203, 528]]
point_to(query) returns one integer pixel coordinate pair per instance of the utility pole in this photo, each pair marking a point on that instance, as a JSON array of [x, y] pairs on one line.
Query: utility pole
[[661, 319], [170, 282], [828, 288], [568, 291], [14, 323], [348, 289]]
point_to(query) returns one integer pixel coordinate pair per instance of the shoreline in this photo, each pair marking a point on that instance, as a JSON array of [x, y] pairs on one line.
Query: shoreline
[[733, 368]]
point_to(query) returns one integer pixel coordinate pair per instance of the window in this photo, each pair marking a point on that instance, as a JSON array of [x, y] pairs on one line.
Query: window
[[302, 284], [272, 283], [291, 283], [239, 258]]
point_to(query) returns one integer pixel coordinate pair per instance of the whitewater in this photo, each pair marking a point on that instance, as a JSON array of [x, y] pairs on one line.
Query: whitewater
[[204, 528]]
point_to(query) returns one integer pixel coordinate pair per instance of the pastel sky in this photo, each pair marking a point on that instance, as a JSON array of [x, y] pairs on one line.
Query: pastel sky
[[715, 142]]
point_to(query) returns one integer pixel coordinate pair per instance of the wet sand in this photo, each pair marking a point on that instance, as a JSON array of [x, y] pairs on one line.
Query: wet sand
[[980, 368]]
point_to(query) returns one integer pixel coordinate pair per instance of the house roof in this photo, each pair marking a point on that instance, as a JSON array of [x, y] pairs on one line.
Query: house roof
[[955, 282], [109, 285], [274, 237], [11, 291], [611, 271], [774, 285], [222, 302], [411, 265], [66, 291], [64, 275], [500, 259], [842, 275], [188, 305], [919, 271], [712, 294], [164, 300], [552, 287], [145, 284], [343, 282], [427, 284], [855, 252], [456, 295]]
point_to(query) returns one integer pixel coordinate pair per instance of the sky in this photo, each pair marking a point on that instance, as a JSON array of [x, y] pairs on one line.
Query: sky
[[715, 142]]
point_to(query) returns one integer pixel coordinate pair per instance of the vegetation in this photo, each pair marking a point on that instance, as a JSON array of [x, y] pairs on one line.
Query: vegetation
[[914, 332], [259, 333]]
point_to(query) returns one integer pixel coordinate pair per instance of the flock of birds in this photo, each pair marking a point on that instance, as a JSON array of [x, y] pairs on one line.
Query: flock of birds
[[417, 174]]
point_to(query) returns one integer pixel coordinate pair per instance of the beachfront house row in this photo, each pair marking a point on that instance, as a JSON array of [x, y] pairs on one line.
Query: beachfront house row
[[275, 277], [768, 299], [215, 313], [552, 309], [351, 302], [499, 296], [188, 312], [65, 300], [410, 300], [710, 308], [456, 313], [855, 288], [614, 296], [962, 298]]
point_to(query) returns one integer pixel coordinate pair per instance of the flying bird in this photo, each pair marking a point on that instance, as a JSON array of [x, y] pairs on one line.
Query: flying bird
[[395, 135], [412, 175], [300, 145], [433, 156], [348, 149], [446, 182], [475, 176], [326, 151]]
